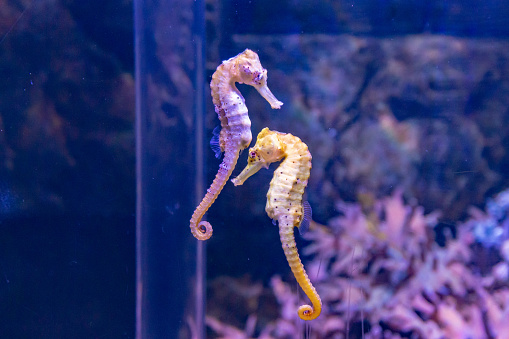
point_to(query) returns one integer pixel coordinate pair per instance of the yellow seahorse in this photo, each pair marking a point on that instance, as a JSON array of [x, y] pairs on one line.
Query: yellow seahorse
[[235, 135], [284, 199]]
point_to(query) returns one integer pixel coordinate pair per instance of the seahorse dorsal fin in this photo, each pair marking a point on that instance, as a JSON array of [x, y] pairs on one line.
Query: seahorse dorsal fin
[[306, 219], [214, 142]]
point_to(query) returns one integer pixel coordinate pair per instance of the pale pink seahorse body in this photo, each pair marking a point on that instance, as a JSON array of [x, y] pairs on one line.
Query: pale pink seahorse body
[[235, 132]]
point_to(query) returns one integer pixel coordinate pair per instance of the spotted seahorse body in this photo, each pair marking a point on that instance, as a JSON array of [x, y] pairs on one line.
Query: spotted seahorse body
[[284, 199], [235, 132]]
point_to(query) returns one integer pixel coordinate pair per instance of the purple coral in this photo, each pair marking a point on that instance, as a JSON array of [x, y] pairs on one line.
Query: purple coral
[[381, 274]]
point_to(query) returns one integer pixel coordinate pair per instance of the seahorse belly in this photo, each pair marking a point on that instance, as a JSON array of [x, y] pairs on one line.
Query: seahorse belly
[[289, 182]]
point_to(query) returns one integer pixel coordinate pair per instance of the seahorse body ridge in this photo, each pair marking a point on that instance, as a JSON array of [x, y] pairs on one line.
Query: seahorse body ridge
[[284, 199], [235, 135]]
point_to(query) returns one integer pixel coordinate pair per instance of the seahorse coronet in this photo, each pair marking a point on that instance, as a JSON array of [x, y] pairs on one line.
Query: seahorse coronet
[[284, 199], [235, 134]]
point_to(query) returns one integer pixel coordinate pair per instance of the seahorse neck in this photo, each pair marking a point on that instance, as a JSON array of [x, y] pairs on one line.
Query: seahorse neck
[[223, 84], [296, 151]]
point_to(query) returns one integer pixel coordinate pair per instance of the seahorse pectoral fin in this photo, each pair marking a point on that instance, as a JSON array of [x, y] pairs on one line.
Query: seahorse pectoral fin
[[306, 218], [267, 95], [214, 142], [250, 169]]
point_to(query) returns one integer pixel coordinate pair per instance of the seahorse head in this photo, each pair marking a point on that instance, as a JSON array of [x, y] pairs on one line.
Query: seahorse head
[[251, 72], [268, 149]]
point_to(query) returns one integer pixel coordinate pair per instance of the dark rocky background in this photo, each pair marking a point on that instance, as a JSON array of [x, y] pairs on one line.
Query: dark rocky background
[[66, 169]]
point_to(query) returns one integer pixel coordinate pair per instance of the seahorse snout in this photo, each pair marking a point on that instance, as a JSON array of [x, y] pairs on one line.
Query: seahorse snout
[[267, 95]]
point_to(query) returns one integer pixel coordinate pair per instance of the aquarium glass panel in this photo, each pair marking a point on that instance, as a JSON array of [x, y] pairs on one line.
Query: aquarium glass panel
[[170, 168]]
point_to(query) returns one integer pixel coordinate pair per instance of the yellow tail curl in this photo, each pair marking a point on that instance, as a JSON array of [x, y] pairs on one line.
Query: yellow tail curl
[[284, 199]]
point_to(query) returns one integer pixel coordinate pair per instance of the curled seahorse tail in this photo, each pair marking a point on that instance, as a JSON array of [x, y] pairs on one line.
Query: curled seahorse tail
[[306, 312], [202, 230]]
